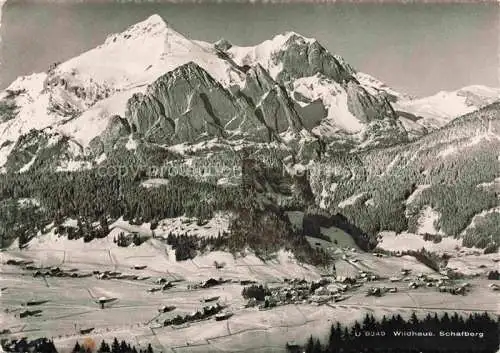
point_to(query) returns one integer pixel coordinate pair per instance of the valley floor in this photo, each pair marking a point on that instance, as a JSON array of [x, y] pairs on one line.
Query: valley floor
[[70, 305]]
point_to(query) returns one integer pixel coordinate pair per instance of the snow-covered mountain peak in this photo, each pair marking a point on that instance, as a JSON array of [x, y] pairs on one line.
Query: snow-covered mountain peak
[[479, 95], [80, 95], [125, 59], [265, 52], [138, 56], [290, 37], [152, 26], [375, 85]]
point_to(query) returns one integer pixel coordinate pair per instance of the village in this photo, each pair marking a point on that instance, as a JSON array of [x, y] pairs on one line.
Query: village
[[329, 289], [189, 295]]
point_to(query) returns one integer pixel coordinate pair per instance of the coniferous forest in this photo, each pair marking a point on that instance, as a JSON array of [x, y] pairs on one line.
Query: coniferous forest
[[102, 195], [96, 199], [395, 334], [44, 345]]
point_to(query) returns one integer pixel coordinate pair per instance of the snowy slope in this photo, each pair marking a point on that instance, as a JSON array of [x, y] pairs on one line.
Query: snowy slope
[[98, 83], [334, 98], [375, 85], [438, 110], [32, 111], [92, 122], [263, 53], [141, 54]]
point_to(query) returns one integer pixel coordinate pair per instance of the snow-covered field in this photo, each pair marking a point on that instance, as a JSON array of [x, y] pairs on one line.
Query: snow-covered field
[[385, 267], [135, 317], [473, 264], [104, 254], [427, 221], [468, 261], [408, 241], [70, 299]]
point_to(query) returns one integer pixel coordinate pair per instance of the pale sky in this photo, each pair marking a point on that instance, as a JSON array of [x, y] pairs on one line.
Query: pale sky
[[418, 49]]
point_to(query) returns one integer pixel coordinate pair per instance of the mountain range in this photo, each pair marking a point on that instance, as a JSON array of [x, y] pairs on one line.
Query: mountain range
[[380, 157]]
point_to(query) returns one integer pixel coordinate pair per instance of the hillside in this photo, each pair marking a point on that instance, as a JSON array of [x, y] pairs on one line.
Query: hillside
[[446, 178]]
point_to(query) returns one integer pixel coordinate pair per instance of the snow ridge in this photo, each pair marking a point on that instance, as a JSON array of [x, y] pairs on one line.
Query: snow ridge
[[440, 109], [263, 53]]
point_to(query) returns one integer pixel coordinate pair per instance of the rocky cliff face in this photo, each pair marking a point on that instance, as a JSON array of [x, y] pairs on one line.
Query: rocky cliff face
[[257, 83], [292, 59], [187, 104], [117, 129], [8, 106], [41, 149], [304, 58], [365, 106], [181, 106]]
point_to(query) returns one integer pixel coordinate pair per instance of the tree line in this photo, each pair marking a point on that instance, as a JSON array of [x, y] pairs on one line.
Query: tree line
[[115, 347], [94, 200], [187, 246], [384, 335], [259, 292], [201, 314], [44, 345], [90, 197]]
